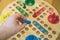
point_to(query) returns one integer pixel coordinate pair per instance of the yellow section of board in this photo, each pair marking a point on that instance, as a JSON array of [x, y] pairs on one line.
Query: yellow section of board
[[3, 17]]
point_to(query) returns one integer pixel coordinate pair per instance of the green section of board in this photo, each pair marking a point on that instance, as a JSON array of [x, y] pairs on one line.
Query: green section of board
[[22, 11]]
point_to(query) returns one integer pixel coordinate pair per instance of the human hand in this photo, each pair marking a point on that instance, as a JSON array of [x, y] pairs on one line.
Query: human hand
[[11, 27]]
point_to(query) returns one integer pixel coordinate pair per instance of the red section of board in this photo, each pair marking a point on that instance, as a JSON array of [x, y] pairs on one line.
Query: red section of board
[[38, 12], [53, 18]]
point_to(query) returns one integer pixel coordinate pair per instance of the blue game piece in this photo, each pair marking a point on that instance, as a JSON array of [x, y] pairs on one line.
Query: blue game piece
[[26, 21]]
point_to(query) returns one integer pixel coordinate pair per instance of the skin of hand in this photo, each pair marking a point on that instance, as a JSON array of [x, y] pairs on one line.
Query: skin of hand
[[11, 27]]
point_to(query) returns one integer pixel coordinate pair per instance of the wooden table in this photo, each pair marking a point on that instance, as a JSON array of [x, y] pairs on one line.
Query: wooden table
[[4, 3]]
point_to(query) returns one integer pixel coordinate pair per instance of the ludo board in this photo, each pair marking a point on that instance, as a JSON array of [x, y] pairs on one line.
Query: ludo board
[[43, 16]]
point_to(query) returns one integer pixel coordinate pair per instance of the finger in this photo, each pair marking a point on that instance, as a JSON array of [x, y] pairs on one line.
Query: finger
[[23, 17], [23, 25], [18, 15], [20, 27]]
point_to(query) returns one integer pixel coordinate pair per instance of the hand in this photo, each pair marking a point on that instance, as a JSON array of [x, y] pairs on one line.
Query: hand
[[10, 26]]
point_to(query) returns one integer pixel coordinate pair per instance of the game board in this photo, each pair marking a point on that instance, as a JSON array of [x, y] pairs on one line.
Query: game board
[[45, 22]]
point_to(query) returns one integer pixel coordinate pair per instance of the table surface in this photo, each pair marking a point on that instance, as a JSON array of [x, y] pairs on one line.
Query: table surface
[[5, 3]]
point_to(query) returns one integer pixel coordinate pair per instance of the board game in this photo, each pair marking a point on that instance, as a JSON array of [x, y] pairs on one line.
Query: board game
[[45, 20]]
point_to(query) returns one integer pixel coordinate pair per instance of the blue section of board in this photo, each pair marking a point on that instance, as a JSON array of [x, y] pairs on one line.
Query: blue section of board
[[40, 27], [44, 31], [36, 24]]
